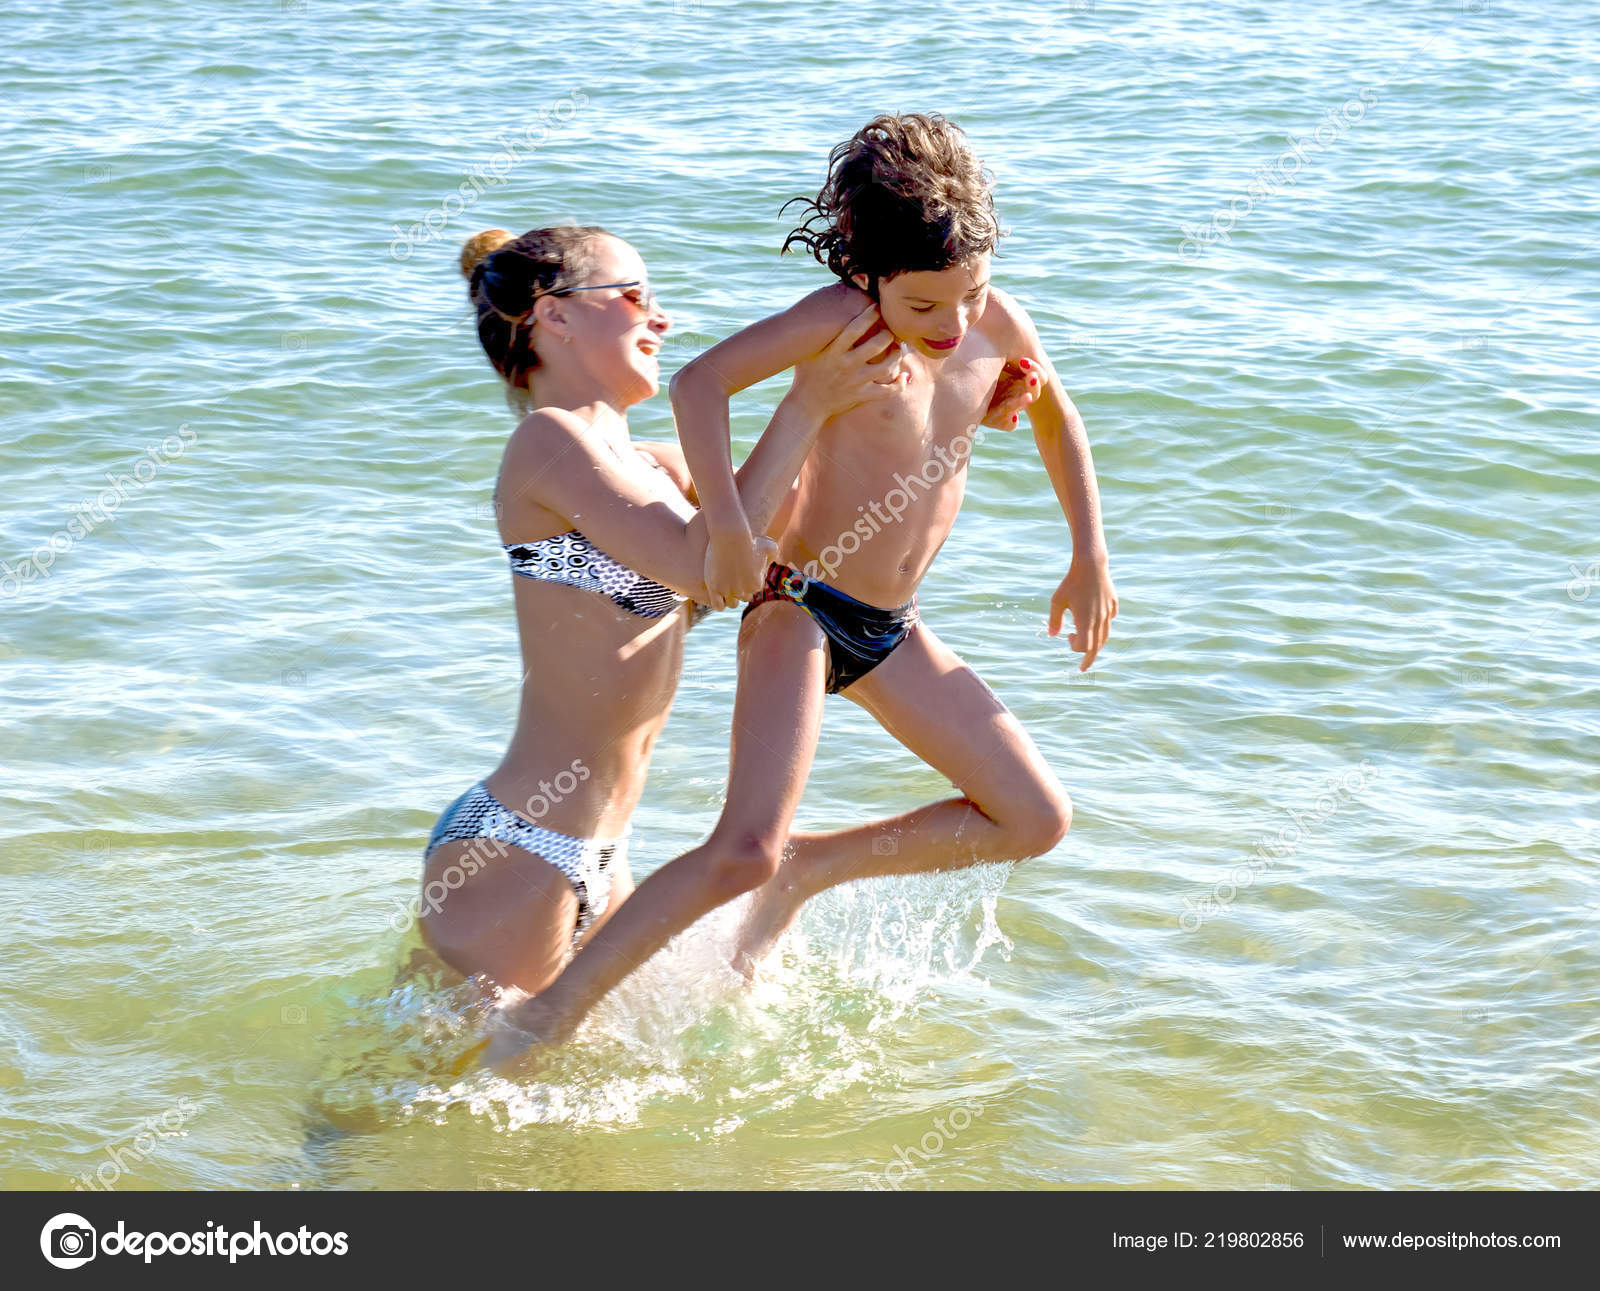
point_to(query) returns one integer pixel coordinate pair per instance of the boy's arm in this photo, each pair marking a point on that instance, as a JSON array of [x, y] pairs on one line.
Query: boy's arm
[[848, 369], [1063, 446], [700, 394]]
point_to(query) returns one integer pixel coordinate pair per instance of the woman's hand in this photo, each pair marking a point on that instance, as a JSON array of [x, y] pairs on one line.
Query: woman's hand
[[736, 562], [1019, 385], [859, 365]]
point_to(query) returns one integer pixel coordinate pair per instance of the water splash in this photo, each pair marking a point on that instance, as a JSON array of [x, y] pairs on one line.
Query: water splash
[[686, 1026]]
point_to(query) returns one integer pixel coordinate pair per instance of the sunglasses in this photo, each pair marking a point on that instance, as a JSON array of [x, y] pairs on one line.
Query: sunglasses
[[639, 294]]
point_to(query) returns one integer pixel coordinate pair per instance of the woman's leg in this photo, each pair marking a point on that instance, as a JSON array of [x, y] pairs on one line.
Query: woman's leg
[[621, 890], [776, 715], [491, 908], [1012, 806]]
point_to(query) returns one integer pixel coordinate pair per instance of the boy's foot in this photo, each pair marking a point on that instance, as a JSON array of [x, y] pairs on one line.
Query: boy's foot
[[517, 1036]]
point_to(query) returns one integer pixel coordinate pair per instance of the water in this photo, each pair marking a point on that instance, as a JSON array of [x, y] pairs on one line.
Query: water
[[1345, 433]]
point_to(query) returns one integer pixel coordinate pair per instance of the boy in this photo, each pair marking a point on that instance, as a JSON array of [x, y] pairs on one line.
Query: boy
[[906, 220]]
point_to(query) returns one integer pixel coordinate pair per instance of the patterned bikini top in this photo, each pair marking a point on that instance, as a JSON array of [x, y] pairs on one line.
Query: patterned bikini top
[[572, 559]]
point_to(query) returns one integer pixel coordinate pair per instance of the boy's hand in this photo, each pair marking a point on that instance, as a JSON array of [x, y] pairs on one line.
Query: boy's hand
[[853, 368], [1019, 385], [736, 562], [1087, 592]]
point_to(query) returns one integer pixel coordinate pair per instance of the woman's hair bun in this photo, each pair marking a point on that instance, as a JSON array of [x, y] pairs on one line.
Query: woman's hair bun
[[480, 246], [538, 263]]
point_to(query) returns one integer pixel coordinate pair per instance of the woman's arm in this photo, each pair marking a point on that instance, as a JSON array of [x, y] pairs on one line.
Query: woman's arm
[[669, 457], [554, 464]]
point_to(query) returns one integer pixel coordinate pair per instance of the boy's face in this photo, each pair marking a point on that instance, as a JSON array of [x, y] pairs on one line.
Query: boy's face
[[932, 309]]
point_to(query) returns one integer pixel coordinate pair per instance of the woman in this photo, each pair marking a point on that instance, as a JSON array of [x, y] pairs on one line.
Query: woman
[[606, 549]]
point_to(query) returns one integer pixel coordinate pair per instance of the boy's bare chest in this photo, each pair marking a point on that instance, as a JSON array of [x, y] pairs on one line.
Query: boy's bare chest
[[936, 406]]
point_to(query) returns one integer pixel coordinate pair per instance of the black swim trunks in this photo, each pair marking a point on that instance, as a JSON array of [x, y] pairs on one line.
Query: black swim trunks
[[860, 636]]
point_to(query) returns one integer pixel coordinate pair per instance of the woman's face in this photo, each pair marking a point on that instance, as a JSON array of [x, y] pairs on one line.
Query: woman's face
[[615, 334]]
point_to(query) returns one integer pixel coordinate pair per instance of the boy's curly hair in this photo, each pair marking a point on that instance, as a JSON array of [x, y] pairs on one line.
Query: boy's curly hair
[[904, 193]]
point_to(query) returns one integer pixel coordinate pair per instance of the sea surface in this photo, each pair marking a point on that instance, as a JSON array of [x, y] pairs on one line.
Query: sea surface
[[1322, 281]]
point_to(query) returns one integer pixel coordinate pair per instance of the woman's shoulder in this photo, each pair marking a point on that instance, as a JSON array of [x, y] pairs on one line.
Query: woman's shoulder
[[535, 467], [543, 425], [544, 442]]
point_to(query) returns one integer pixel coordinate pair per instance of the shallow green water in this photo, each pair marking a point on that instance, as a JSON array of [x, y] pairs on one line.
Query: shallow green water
[[1348, 457]]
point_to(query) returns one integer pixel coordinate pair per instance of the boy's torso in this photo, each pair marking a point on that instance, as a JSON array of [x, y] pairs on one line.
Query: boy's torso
[[884, 483]]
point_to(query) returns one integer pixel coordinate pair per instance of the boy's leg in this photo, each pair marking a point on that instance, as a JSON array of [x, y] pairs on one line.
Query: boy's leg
[[776, 715], [1012, 807]]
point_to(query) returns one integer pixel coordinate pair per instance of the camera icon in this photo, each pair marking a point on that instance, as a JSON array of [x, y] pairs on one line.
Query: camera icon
[[1583, 581], [71, 1242], [687, 343], [292, 1015], [885, 845], [97, 845], [68, 1241]]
